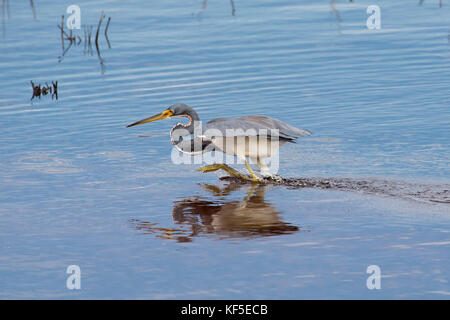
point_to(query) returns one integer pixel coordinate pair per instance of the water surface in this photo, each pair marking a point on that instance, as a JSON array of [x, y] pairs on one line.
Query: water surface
[[77, 187]]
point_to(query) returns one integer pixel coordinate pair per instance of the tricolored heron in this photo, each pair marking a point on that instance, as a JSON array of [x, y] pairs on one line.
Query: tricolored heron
[[245, 137]]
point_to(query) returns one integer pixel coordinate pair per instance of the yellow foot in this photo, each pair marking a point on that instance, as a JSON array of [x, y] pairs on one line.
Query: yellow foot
[[232, 172], [213, 167]]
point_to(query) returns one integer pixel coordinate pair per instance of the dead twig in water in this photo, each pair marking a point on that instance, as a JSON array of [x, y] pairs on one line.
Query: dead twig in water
[[88, 35], [62, 32], [39, 90], [73, 39], [33, 9], [233, 8], [102, 16], [76, 39], [106, 32], [8, 12], [335, 10], [336, 13], [3, 20], [422, 1]]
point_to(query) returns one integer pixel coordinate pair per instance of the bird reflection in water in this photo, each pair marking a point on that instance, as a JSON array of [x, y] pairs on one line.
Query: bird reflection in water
[[250, 217]]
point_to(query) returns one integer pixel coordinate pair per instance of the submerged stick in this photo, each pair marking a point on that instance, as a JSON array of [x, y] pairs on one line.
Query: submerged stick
[[102, 16], [106, 32], [3, 20], [33, 9], [55, 89], [62, 32], [233, 8]]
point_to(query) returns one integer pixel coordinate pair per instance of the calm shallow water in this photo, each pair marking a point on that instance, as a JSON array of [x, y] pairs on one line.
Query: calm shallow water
[[77, 187]]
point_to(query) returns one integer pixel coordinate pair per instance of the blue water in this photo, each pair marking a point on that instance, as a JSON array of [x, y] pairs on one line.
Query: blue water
[[77, 187]]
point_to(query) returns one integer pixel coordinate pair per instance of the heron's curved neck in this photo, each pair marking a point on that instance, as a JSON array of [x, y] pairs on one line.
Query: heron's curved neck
[[194, 121], [181, 129]]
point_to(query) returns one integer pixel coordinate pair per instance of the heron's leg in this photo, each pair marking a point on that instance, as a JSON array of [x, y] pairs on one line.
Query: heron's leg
[[265, 171], [252, 173]]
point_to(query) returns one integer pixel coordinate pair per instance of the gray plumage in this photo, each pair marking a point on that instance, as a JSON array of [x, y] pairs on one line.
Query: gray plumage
[[251, 125]]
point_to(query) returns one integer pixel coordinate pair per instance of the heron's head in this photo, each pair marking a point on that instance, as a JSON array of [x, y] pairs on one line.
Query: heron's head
[[175, 110]]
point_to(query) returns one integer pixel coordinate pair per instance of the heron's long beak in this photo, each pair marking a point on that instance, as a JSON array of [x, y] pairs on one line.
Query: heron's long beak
[[163, 115]]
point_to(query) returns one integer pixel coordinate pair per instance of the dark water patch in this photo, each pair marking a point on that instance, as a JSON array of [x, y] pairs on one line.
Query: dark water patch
[[428, 193]]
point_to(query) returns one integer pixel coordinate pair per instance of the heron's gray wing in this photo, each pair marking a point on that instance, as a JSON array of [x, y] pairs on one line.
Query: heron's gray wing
[[272, 123], [241, 127]]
